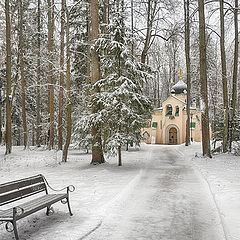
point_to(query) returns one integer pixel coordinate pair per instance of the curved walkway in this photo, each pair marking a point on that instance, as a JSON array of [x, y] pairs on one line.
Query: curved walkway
[[170, 201]]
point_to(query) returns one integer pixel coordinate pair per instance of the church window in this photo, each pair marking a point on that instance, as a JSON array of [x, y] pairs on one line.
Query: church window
[[192, 125], [169, 110], [177, 111], [154, 124]]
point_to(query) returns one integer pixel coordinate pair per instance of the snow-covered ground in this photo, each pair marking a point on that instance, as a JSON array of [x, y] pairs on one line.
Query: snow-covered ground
[[160, 192], [222, 173]]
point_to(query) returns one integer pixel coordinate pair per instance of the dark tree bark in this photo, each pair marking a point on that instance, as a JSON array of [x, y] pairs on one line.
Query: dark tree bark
[[224, 77], [97, 152], [132, 28], [119, 156], [50, 72], [68, 88], [188, 67], [8, 132], [203, 82], [61, 80], [38, 96], [22, 75], [234, 78], [151, 13]]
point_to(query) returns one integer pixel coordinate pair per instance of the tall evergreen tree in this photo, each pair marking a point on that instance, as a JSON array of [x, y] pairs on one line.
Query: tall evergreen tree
[[203, 81], [50, 72], [22, 73], [224, 77], [97, 151], [8, 134], [38, 92], [61, 78], [124, 108], [68, 89], [188, 66], [234, 77]]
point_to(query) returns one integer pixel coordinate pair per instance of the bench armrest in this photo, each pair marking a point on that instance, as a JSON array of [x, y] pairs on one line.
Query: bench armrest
[[70, 188], [17, 211]]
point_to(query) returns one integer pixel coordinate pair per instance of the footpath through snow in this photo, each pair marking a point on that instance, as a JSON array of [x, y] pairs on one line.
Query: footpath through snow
[[159, 193]]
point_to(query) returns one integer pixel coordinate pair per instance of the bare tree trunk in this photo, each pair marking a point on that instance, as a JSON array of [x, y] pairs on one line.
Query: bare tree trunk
[[1, 120], [106, 12], [61, 82], [188, 66], [68, 88], [88, 38], [119, 156], [234, 79], [33, 135], [22, 75], [132, 28], [158, 91], [97, 152], [224, 78], [175, 73], [8, 133], [151, 7], [203, 81], [38, 97], [50, 72]]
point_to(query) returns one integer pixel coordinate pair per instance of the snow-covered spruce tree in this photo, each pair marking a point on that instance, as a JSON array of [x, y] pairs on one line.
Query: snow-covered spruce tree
[[124, 109], [79, 23], [80, 45]]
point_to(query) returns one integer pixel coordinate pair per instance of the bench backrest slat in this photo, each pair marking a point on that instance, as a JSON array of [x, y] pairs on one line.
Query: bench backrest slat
[[15, 190], [10, 186]]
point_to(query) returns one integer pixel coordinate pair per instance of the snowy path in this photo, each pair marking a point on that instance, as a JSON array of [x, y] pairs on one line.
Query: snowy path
[[160, 193], [170, 201]]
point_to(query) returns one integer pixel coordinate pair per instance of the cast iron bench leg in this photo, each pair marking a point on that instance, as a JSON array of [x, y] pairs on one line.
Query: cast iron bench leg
[[15, 230], [69, 208], [48, 210]]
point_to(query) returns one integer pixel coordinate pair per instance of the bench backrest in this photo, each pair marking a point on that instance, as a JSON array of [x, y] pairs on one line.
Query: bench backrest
[[15, 190]]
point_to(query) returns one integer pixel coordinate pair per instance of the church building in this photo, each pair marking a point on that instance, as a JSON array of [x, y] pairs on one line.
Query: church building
[[168, 123]]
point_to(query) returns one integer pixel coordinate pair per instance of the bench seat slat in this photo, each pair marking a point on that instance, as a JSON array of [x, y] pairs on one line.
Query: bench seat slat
[[33, 205]]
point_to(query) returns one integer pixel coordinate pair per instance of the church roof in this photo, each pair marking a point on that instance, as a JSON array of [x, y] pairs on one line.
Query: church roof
[[179, 87]]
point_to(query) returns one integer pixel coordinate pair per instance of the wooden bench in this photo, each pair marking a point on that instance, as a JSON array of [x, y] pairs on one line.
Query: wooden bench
[[11, 192]]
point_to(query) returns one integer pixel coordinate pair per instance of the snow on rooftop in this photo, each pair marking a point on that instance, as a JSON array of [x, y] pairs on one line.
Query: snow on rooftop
[[179, 87]]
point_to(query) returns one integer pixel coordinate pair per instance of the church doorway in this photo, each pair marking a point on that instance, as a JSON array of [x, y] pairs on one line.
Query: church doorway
[[173, 135]]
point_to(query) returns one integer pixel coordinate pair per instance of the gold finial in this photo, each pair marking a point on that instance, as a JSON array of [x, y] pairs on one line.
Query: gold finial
[[180, 74]]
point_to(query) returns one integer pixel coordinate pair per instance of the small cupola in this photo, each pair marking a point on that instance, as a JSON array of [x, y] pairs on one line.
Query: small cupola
[[179, 88]]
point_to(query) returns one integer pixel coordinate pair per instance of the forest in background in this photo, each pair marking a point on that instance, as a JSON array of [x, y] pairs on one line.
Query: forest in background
[[90, 72]]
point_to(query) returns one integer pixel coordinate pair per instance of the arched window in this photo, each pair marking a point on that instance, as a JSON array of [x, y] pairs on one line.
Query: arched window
[[169, 110], [177, 111]]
